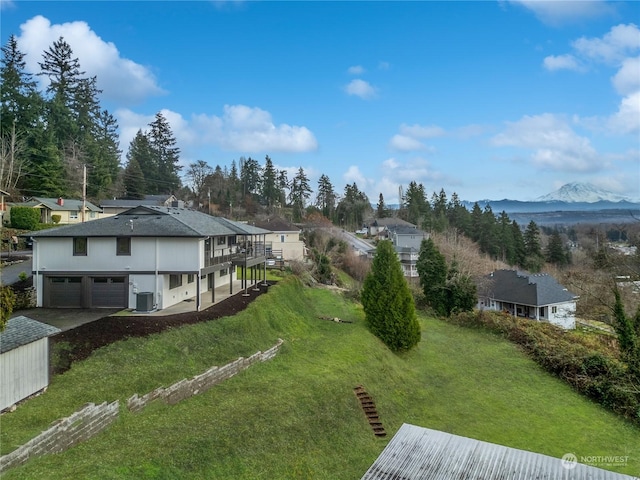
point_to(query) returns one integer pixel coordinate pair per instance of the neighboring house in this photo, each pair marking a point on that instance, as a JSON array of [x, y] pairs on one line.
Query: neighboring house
[[24, 359], [407, 240], [283, 240], [116, 206], [3, 206], [69, 210], [536, 296], [162, 255], [379, 225], [416, 453]]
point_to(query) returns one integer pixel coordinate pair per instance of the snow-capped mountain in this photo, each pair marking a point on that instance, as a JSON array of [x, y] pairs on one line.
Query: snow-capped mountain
[[581, 192]]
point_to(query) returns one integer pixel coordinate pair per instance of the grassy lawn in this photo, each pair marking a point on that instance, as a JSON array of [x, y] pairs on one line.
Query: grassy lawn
[[296, 416]]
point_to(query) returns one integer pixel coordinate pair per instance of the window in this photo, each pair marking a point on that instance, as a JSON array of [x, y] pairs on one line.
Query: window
[[73, 215], [80, 246], [222, 240], [190, 278], [123, 246], [175, 281], [281, 238], [224, 272], [92, 215], [554, 309]]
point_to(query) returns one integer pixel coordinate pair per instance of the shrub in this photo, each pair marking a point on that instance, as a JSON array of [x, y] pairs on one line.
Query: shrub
[[55, 218], [7, 302], [26, 218], [388, 305], [22, 276]]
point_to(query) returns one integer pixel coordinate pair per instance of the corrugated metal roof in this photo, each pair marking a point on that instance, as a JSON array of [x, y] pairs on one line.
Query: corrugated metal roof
[[416, 453], [23, 330]]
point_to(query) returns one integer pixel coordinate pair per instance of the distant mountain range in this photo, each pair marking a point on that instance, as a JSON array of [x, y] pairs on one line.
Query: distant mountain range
[[582, 193], [570, 204]]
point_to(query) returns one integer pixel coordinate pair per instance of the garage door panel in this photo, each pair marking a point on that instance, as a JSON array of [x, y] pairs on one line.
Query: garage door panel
[[109, 292], [65, 292]]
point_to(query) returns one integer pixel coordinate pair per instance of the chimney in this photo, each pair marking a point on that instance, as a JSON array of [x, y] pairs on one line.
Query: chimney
[[60, 201]]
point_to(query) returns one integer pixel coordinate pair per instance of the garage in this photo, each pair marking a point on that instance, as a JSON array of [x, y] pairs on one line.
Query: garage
[[64, 292], [86, 291], [109, 292]]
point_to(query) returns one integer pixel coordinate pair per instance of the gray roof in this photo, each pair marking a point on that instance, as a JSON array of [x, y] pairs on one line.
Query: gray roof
[[148, 200], [276, 224], [527, 289], [23, 330], [388, 221], [68, 204], [421, 453], [405, 230], [154, 221]]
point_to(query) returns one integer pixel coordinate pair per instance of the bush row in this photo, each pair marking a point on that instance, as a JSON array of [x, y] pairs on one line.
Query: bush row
[[592, 368]]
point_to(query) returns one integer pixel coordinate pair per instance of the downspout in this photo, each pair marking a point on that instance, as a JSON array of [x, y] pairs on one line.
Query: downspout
[[157, 255], [36, 274]]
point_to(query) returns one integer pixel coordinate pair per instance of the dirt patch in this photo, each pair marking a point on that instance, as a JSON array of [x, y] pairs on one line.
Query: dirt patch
[[78, 343]]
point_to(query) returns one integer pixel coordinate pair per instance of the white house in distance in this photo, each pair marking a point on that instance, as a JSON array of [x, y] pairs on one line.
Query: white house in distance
[[24, 359], [146, 258], [283, 240], [535, 296], [406, 240]]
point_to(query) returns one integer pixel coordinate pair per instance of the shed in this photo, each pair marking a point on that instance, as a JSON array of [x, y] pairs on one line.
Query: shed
[[421, 453], [24, 359]]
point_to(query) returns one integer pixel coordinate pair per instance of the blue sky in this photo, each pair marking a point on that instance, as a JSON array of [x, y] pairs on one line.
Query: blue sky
[[488, 99]]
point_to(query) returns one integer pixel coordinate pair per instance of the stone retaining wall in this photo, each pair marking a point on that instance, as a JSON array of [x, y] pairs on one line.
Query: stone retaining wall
[[65, 433], [200, 383], [92, 419]]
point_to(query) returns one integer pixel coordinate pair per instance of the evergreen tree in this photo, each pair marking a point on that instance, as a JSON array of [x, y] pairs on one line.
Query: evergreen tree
[[300, 193], [519, 249], [249, 176], [269, 185], [460, 291], [439, 221], [432, 270], [388, 305], [134, 183], [555, 251], [381, 210], [20, 102], [103, 159], [283, 185], [326, 197], [198, 173], [166, 155], [533, 251], [457, 214], [628, 331], [416, 207], [352, 207], [140, 150]]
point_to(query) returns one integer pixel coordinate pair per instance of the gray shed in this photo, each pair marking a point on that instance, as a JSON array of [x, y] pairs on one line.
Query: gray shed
[[24, 359], [420, 453]]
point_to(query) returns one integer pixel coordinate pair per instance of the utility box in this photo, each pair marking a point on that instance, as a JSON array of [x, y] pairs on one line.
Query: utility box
[[144, 302]]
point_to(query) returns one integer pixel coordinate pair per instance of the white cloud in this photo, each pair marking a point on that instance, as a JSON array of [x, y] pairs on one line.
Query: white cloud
[[361, 89], [404, 143], [7, 4], [353, 174], [96, 57], [410, 136], [627, 79], [620, 42], [356, 70], [627, 119], [422, 131], [562, 62], [560, 12], [553, 142], [240, 128]]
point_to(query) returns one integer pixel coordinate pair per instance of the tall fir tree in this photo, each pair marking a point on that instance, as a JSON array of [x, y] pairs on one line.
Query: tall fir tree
[[326, 196], [432, 270], [300, 193], [388, 304], [166, 155], [140, 151], [269, 185]]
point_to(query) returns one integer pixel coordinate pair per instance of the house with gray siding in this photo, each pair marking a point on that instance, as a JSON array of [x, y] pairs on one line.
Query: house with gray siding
[[24, 359], [150, 257], [406, 239], [535, 296]]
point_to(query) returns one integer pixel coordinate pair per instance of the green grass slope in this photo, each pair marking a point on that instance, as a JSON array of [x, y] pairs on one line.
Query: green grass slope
[[296, 416]]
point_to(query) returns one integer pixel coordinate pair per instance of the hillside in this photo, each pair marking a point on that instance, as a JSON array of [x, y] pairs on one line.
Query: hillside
[[296, 416]]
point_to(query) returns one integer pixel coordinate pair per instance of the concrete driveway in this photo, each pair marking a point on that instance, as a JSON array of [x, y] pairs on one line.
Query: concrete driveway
[[9, 274], [66, 318]]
